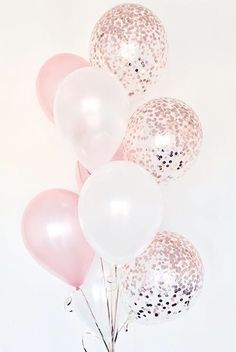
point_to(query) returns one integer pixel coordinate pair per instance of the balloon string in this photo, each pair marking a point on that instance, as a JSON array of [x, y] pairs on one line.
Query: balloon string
[[114, 304], [112, 298], [85, 350], [106, 292], [112, 312], [94, 318], [105, 287], [83, 340], [125, 324], [83, 343], [115, 332]]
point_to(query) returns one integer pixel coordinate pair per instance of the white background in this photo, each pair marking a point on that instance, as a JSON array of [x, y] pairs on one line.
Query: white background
[[34, 157]]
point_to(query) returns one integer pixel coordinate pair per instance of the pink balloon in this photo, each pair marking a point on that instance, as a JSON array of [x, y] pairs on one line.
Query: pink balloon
[[119, 155], [50, 76], [52, 234], [82, 173]]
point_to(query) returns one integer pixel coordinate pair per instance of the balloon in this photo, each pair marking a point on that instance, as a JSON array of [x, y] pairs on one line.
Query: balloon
[[164, 281], [164, 136], [130, 41], [82, 173], [53, 236], [50, 76], [120, 210], [91, 108], [97, 290]]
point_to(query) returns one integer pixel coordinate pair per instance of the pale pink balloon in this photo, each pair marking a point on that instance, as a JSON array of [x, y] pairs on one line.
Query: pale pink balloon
[[50, 76], [82, 173], [119, 155], [52, 234]]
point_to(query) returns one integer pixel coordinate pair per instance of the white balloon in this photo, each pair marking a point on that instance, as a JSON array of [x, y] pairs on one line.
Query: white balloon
[[120, 210], [91, 109]]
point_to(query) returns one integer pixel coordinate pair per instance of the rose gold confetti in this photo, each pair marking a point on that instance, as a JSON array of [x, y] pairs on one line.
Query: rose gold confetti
[[165, 280], [164, 136], [130, 41]]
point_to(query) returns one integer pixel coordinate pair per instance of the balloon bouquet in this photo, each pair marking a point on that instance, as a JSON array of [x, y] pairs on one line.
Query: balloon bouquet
[[106, 242]]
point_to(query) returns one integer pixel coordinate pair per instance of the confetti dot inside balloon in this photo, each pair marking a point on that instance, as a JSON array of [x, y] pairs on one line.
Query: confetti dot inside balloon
[[164, 136], [164, 281], [130, 41]]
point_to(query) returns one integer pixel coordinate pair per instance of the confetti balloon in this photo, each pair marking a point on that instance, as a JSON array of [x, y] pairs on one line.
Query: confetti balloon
[[130, 41], [164, 136], [164, 281]]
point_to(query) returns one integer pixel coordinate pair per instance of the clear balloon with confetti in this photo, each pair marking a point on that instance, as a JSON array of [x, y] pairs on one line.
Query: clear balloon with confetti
[[164, 281], [164, 136], [130, 41]]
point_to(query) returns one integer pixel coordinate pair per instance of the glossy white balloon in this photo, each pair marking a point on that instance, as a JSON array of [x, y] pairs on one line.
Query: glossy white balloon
[[120, 210], [91, 109]]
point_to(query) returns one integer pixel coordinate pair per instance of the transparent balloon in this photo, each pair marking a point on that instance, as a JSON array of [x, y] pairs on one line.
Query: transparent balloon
[[130, 41], [164, 136], [92, 303], [91, 109], [120, 210], [164, 281]]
